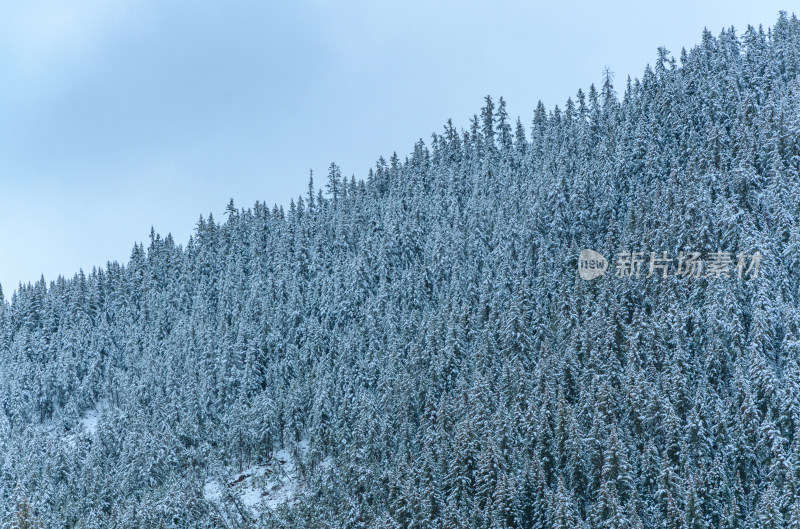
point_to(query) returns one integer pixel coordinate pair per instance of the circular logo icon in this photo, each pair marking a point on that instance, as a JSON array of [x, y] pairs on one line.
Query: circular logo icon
[[591, 264]]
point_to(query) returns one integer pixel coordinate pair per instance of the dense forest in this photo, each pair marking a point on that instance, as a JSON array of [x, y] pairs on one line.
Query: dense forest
[[417, 347]]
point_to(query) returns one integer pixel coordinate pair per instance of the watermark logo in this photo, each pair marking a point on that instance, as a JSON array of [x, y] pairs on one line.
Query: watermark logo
[[714, 265], [591, 264]]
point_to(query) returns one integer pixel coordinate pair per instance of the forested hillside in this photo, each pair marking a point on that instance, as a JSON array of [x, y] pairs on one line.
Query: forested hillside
[[418, 345]]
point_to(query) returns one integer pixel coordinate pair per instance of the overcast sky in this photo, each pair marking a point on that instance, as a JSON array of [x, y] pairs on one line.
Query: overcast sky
[[119, 115]]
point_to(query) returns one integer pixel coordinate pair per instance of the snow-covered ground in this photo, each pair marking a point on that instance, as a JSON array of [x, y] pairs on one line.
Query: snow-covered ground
[[262, 486], [87, 425], [89, 421]]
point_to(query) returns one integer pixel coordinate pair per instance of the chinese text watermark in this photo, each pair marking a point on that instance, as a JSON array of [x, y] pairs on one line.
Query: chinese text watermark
[[714, 265]]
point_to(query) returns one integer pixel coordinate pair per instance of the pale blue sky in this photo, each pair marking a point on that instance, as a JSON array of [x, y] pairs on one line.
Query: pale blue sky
[[115, 116]]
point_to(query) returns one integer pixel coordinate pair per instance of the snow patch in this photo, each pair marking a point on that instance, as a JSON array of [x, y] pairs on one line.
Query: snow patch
[[86, 426], [89, 421], [212, 491], [262, 487]]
